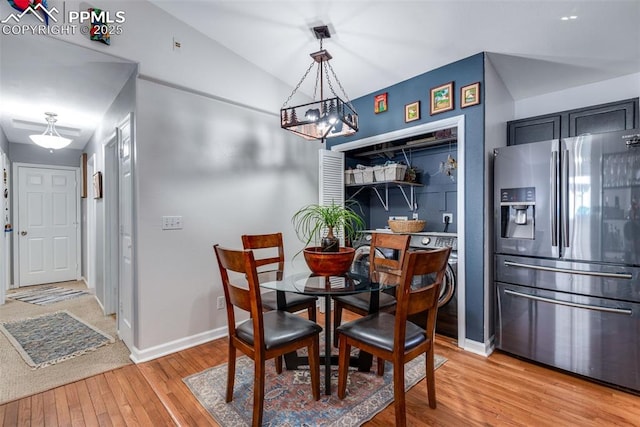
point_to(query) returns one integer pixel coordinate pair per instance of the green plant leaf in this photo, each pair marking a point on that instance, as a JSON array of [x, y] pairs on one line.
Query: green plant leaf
[[311, 221]]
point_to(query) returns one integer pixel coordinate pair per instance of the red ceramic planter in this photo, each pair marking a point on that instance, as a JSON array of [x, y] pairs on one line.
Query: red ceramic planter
[[329, 263]]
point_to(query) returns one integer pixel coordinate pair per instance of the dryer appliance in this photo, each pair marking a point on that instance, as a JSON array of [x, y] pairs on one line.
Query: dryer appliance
[[362, 245], [447, 321]]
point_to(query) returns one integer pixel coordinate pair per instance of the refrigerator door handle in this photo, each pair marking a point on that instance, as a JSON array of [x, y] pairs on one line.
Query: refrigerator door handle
[[570, 304], [565, 199], [569, 271], [554, 198]]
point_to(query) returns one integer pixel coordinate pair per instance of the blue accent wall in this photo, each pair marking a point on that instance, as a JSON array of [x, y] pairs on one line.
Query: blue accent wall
[[461, 73]]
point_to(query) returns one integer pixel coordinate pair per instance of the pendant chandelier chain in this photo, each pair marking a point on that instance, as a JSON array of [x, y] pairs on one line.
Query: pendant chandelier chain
[[333, 73], [324, 118], [298, 85]]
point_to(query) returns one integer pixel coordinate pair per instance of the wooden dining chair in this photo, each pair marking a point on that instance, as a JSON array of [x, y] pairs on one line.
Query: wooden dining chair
[[392, 337], [293, 302], [263, 336], [383, 270]]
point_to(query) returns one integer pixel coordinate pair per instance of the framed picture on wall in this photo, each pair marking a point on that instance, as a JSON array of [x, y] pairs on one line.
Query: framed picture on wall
[[380, 103], [441, 98], [412, 112], [83, 175], [470, 95], [97, 185]]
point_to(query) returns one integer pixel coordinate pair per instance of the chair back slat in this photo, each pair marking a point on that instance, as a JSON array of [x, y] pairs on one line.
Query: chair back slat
[[422, 300], [266, 241], [243, 294], [387, 270]]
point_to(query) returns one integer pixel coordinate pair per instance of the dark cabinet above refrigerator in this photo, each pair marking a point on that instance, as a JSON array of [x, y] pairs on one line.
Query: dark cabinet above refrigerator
[[600, 118]]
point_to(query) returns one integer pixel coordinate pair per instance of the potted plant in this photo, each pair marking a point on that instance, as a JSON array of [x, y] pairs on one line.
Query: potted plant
[[311, 221]]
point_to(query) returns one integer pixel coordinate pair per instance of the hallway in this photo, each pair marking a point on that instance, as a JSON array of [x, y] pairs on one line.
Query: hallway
[[17, 379]]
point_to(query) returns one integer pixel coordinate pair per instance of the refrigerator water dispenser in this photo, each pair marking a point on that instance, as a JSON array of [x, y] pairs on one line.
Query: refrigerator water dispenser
[[517, 212]]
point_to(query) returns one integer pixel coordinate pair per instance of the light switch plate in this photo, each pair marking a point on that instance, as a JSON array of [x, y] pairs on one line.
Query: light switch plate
[[172, 223]]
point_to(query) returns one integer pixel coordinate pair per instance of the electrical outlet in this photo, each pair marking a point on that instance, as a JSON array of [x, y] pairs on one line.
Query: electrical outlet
[[176, 44], [445, 216], [220, 303]]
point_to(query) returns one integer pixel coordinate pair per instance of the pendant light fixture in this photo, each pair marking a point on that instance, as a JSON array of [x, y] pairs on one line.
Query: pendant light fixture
[[51, 139], [326, 117]]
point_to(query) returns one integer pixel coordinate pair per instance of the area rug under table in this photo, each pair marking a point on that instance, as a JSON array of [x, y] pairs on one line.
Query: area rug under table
[[288, 399], [46, 295], [53, 338]]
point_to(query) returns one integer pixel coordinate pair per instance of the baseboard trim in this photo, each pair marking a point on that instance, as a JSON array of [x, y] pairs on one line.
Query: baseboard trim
[[483, 349], [140, 356]]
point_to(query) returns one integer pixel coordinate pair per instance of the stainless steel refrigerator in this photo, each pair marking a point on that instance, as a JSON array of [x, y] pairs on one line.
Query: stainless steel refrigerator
[[567, 254]]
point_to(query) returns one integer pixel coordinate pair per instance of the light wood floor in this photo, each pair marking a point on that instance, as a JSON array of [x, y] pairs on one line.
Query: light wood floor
[[471, 391]]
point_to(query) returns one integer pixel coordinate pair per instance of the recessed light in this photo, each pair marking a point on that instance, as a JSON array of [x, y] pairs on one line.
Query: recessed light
[[567, 18]]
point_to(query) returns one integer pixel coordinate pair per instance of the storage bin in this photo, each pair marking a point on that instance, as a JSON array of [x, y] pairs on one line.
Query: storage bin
[[394, 172], [357, 176], [367, 175], [408, 226], [378, 173], [348, 177]]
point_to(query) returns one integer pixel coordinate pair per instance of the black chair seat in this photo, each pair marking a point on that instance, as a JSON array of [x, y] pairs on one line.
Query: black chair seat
[[280, 328], [362, 300], [378, 330], [270, 300]]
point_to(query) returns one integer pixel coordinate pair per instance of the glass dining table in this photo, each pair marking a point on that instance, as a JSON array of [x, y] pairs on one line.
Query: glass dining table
[[308, 283]]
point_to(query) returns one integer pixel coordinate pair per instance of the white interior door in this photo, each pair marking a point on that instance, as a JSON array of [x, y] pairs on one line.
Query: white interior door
[[125, 312], [91, 226], [47, 227], [111, 226]]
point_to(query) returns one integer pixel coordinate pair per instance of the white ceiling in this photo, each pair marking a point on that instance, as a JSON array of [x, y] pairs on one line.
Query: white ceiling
[[374, 44], [44, 74]]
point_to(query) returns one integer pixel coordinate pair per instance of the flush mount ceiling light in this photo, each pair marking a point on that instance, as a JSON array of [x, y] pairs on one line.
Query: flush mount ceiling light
[[51, 138], [326, 117]]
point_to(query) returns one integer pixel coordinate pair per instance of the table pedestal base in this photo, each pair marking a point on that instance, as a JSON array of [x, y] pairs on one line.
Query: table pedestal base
[[363, 361]]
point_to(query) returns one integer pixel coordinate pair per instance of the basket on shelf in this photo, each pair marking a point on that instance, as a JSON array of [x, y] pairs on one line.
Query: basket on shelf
[[407, 226]]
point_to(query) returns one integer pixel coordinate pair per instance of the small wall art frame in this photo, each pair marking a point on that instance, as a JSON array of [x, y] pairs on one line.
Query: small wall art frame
[[470, 95], [441, 98], [83, 175], [380, 103], [97, 185], [412, 112]]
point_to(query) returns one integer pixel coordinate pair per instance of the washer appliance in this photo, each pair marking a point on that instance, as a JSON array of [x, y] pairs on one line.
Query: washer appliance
[[362, 246], [447, 321]]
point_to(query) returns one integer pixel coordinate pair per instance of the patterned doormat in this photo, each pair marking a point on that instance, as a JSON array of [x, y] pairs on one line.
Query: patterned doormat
[[46, 295], [288, 400], [53, 338]]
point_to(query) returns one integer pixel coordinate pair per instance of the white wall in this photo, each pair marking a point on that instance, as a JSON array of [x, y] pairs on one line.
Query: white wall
[[227, 170], [123, 104], [582, 96], [4, 219], [200, 64], [188, 164], [31, 153], [4, 142]]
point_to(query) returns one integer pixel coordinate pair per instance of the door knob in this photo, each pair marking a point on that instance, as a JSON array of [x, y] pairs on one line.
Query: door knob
[[23, 233]]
